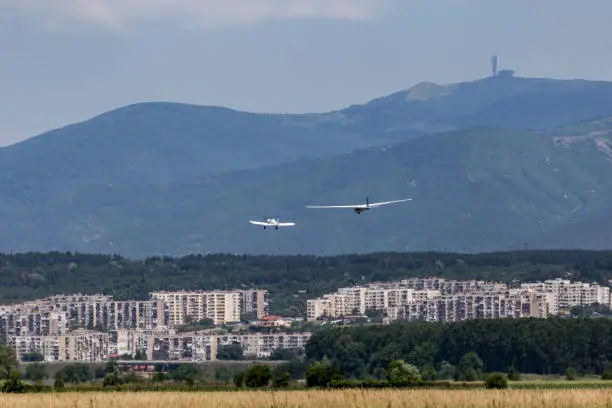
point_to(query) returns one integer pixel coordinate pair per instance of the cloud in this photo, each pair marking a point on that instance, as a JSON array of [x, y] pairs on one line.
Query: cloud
[[204, 13]]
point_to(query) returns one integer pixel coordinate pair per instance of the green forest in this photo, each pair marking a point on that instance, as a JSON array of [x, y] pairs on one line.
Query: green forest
[[465, 350], [289, 279]]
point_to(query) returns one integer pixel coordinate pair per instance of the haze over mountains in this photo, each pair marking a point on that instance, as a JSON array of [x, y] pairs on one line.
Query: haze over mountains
[[490, 164]]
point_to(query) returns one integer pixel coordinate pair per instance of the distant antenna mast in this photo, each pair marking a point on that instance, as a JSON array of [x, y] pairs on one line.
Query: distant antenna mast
[[494, 65]]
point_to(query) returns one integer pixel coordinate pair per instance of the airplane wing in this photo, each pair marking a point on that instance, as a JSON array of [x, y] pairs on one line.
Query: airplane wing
[[337, 206], [389, 202], [267, 224], [286, 224]]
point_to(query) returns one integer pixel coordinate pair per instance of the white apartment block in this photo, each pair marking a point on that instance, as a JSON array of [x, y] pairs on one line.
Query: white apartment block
[[109, 314], [219, 306], [259, 345], [568, 294], [80, 345], [438, 299], [182, 347], [130, 341], [22, 320], [487, 305]]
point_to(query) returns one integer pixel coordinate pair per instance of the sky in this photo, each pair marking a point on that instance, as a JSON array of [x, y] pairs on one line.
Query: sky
[[65, 61]]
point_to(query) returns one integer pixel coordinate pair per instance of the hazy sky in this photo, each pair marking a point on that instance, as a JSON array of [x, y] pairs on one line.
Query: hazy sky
[[64, 61]]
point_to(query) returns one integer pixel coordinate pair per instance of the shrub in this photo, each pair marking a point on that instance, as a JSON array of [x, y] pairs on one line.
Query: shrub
[[281, 379], [111, 380], [607, 374], [571, 374], [496, 381], [320, 374], [257, 375], [14, 384], [239, 379]]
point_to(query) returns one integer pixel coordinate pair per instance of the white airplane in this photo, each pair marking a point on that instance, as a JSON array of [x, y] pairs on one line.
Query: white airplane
[[359, 208], [272, 223]]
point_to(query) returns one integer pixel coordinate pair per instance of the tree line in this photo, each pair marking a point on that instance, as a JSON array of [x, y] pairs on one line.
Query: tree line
[[467, 349], [290, 280]]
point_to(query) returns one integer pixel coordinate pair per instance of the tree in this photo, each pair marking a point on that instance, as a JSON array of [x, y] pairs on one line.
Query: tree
[[469, 368], [187, 372], [429, 373], [224, 374], [14, 384], [375, 316], [257, 375], [35, 372], [230, 352], [513, 374], [607, 374], [282, 354], [111, 380], [8, 361], [32, 356], [320, 374], [446, 371], [280, 378], [400, 372], [111, 367], [74, 373], [496, 381], [58, 384], [159, 377], [239, 379], [571, 374]]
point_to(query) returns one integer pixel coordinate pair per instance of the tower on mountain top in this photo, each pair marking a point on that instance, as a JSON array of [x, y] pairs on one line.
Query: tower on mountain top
[[494, 65]]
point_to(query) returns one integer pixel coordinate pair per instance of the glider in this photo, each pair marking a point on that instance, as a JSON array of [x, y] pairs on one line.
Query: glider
[[272, 223], [359, 208]]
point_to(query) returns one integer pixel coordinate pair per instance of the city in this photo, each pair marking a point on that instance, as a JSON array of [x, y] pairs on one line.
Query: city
[[193, 326]]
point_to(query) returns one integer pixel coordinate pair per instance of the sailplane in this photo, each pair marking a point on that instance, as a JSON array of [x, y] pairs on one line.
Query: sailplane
[[359, 208], [272, 223]]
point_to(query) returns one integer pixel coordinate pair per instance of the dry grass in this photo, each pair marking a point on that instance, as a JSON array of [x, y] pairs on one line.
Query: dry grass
[[318, 399]]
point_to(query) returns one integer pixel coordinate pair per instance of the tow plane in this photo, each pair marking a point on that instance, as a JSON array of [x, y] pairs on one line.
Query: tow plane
[[359, 208], [272, 223]]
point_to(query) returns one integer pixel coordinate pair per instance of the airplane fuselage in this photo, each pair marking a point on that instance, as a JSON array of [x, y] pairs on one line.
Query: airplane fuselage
[[360, 210], [272, 221]]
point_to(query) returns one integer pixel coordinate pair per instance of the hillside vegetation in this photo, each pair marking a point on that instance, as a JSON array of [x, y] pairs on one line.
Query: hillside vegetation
[[521, 161], [291, 280], [473, 190]]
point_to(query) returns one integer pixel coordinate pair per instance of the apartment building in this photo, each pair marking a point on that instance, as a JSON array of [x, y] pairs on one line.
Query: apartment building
[[219, 306], [22, 320], [568, 294], [79, 345], [486, 305], [109, 314], [259, 345], [435, 299], [182, 347]]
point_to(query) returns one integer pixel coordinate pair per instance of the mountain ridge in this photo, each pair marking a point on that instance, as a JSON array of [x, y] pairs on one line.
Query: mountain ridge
[[483, 200], [166, 177]]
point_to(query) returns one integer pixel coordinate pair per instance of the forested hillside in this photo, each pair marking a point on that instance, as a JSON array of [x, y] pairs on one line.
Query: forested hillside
[[172, 179], [290, 279]]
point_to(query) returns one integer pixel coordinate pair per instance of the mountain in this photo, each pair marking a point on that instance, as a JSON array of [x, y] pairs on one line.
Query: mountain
[[491, 164], [170, 142], [473, 190]]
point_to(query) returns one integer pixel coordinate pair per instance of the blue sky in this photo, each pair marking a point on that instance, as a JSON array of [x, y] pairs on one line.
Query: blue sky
[[64, 61]]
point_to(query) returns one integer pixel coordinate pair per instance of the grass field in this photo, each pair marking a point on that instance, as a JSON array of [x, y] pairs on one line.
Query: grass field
[[318, 399]]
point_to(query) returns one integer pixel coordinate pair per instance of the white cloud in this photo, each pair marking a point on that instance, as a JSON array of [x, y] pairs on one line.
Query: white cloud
[[206, 13]]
